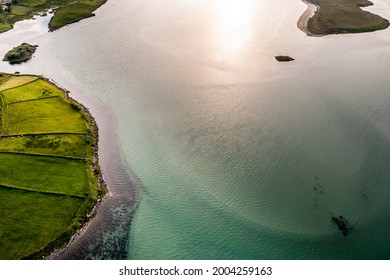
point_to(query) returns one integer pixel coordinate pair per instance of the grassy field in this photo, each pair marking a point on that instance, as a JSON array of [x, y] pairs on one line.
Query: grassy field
[[29, 91], [8, 82], [21, 10], [4, 26], [48, 183], [44, 174], [70, 145], [70, 14], [30, 221], [344, 16], [65, 11], [42, 116], [31, 3]]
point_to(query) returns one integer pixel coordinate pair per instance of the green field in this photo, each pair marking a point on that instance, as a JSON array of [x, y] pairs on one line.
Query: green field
[[5, 27], [343, 16], [8, 82], [69, 14], [21, 10], [28, 91], [44, 174], [39, 116], [65, 11], [31, 3], [70, 145], [30, 221], [48, 183]]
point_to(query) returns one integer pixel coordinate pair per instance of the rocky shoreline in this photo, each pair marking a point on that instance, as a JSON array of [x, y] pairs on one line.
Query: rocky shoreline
[[103, 190], [304, 18]]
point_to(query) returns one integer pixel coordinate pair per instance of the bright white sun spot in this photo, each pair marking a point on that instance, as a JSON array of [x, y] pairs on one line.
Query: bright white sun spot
[[233, 24]]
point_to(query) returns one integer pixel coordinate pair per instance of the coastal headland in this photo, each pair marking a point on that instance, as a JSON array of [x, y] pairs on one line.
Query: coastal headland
[[65, 11], [50, 178], [339, 16]]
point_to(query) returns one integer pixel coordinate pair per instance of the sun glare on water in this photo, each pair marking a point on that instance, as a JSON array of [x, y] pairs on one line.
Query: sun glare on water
[[233, 25]]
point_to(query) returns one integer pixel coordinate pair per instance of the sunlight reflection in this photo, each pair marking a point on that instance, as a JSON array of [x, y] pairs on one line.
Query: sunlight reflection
[[233, 25]]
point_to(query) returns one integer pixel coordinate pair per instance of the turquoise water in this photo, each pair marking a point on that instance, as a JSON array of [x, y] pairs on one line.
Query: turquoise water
[[226, 153]]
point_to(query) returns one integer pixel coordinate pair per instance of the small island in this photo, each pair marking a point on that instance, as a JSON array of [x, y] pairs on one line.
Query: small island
[[20, 53], [339, 16], [284, 58], [65, 11], [50, 177]]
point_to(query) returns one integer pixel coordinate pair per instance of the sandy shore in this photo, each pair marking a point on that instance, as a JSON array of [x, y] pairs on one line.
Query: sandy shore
[[302, 21]]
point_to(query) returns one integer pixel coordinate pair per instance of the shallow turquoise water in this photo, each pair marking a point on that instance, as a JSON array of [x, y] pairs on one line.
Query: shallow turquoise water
[[233, 155]]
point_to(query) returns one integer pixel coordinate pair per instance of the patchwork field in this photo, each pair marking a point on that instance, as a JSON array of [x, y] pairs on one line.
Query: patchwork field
[[70, 145], [48, 179]]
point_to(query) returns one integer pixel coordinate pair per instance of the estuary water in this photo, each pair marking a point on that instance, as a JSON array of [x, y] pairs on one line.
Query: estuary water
[[214, 150]]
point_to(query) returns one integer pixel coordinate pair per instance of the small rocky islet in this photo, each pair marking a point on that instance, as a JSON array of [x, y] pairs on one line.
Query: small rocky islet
[[20, 53]]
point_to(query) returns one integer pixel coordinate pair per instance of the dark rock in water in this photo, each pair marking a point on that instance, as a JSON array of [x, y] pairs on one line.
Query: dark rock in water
[[284, 58], [342, 224]]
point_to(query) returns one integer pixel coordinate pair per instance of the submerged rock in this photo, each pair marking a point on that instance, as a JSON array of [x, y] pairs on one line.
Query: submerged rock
[[342, 224]]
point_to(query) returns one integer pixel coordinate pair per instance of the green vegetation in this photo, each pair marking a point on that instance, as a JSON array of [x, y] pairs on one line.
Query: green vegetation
[[30, 221], [7, 82], [343, 16], [20, 10], [5, 27], [31, 3], [284, 58], [49, 177], [69, 145], [52, 115], [20, 53], [28, 92], [65, 11], [70, 14]]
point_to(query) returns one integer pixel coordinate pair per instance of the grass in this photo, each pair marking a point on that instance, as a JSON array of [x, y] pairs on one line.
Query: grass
[[31, 3], [7, 81], [66, 11], [31, 220], [92, 2], [44, 174], [20, 53], [35, 89], [70, 14], [4, 26], [71, 145], [51, 115], [21, 10], [344, 16], [49, 182]]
